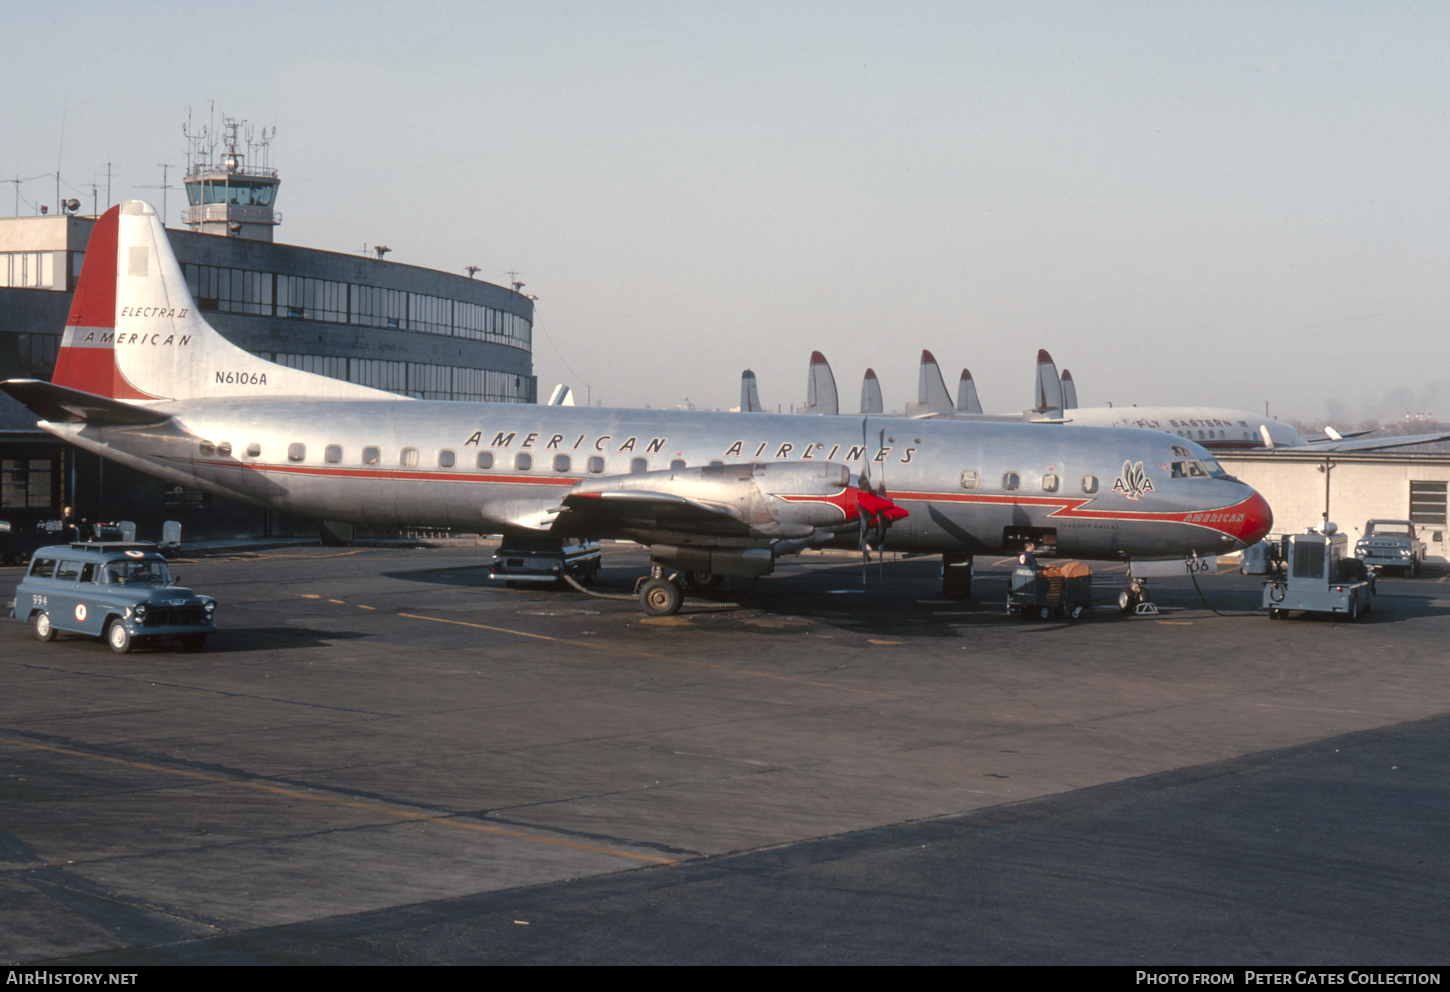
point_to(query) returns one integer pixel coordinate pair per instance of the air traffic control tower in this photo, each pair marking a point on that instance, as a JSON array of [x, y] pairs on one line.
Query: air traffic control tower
[[414, 331]]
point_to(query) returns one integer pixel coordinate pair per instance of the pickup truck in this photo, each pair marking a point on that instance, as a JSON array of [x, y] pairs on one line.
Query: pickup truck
[[1391, 544]]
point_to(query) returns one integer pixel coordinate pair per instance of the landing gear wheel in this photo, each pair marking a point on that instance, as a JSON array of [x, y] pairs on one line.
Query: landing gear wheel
[[1076, 612], [43, 629], [1276, 614], [660, 598], [1125, 600], [1044, 612], [118, 637], [193, 643], [1010, 608], [701, 581]]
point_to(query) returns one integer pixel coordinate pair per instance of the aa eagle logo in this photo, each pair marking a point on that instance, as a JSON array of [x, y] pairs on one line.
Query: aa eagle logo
[[1133, 482]]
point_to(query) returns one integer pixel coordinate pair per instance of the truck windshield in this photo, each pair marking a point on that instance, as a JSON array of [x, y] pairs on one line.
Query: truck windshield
[[1385, 529], [151, 571]]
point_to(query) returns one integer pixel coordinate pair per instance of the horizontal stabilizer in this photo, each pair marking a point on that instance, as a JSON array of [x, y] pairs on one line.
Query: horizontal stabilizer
[[1374, 443], [63, 405]]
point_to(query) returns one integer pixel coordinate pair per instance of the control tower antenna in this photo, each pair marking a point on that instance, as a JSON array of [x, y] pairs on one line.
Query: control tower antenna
[[227, 195]]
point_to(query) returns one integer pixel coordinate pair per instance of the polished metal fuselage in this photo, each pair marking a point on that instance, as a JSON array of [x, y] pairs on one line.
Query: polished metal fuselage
[[388, 463]]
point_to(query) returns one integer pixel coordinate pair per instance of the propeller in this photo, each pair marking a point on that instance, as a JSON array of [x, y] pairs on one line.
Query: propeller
[[874, 510]]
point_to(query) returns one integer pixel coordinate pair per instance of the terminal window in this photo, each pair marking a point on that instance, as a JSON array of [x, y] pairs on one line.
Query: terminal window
[[29, 482]]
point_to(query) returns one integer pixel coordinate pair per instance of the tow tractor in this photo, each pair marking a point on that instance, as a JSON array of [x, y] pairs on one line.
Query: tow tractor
[[1320, 576]]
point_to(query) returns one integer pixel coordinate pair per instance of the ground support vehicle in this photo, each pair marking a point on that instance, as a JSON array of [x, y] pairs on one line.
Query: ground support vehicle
[[1064, 589], [1391, 544], [1320, 577], [541, 558], [122, 592]]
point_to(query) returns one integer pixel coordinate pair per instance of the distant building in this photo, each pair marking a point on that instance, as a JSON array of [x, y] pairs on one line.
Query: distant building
[[410, 330]]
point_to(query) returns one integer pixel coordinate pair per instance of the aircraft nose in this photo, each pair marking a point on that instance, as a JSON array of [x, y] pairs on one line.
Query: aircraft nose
[[1258, 519]]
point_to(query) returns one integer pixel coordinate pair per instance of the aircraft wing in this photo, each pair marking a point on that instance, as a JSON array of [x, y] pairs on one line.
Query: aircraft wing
[[654, 510], [63, 405], [1369, 443]]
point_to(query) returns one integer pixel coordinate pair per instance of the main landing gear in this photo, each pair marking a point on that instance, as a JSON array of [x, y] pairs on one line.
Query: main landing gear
[[1135, 595], [660, 595]]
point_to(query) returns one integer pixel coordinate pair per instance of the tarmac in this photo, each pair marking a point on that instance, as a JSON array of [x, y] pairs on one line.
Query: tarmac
[[387, 757]]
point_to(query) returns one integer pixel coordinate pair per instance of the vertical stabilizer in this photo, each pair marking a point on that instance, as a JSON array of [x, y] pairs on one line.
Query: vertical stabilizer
[[932, 398], [1048, 401], [967, 401], [870, 393], [821, 388], [155, 345], [1069, 391], [749, 396]]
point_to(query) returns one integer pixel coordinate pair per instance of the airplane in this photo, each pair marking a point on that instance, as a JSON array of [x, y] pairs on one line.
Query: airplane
[[1213, 427], [141, 378]]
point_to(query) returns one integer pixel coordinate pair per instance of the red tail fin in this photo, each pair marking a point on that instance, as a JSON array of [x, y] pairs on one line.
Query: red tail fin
[[87, 359]]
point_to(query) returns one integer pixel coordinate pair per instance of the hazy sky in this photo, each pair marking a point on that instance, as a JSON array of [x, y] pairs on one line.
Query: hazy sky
[[1222, 203]]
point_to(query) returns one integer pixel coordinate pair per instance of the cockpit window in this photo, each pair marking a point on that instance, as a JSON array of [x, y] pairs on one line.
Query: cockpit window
[[1193, 469]]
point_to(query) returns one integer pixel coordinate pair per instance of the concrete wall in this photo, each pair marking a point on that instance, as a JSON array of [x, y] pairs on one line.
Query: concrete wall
[[1361, 487]]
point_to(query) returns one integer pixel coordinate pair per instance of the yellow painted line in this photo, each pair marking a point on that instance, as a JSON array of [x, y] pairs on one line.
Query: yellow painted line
[[361, 607], [1179, 623], [870, 641], [278, 790], [340, 554], [341, 601], [645, 654], [310, 595]]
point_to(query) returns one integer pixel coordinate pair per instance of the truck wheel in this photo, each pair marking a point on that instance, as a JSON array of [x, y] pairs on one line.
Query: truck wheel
[[1353, 610], [118, 637], [1044, 612], [43, 629], [660, 598]]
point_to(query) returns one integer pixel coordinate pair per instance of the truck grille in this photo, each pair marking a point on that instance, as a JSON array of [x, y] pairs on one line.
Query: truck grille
[[175, 616]]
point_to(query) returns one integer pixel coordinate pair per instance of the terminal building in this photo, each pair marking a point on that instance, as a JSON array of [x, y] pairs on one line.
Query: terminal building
[[414, 331]]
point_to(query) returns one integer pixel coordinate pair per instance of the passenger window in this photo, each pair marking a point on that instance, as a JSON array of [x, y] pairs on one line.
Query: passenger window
[[1089, 484], [254, 450], [595, 464], [1011, 481], [332, 454], [677, 464], [225, 448], [971, 479], [88, 573], [1049, 483], [42, 568], [561, 463], [68, 571], [207, 447], [296, 452], [638, 466], [523, 461], [446, 458], [372, 456], [485, 459], [408, 458]]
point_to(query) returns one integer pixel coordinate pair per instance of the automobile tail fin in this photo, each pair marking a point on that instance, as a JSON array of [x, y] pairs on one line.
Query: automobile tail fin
[[870, 393], [967, 401], [134, 331], [821, 388]]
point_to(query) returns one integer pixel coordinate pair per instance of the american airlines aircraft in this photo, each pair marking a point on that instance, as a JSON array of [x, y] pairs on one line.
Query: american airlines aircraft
[[142, 379]]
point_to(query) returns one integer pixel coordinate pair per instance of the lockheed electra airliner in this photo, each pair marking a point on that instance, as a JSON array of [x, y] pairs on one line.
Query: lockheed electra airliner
[[141, 378]]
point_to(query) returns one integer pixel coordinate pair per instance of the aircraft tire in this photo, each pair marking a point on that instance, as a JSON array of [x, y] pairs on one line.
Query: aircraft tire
[[43, 630], [118, 637], [660, 598], [1125, 600]]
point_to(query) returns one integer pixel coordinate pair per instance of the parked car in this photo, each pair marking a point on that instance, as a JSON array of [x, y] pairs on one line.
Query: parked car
[[1391, 544], [544, 558], [120, 592]]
